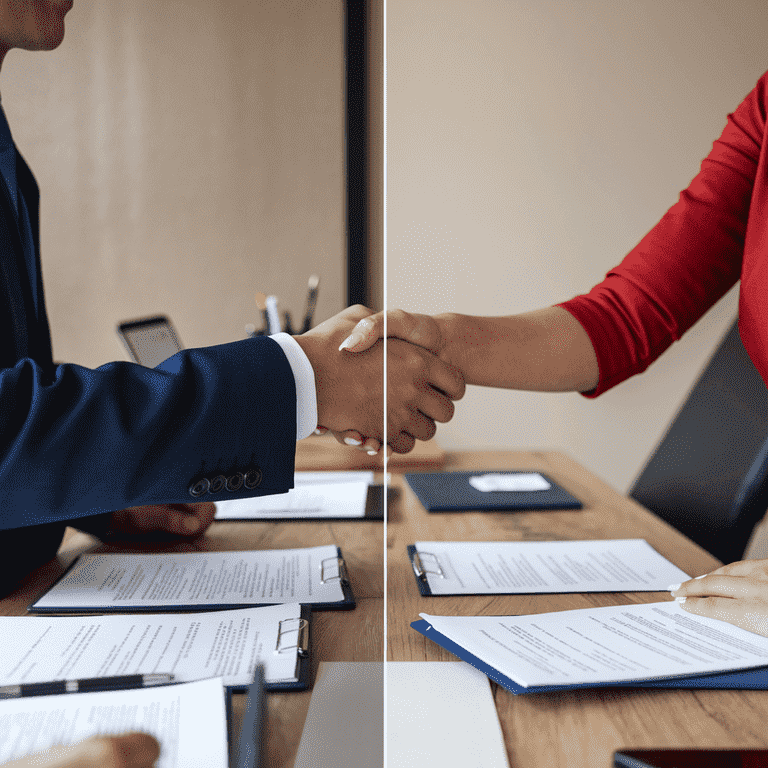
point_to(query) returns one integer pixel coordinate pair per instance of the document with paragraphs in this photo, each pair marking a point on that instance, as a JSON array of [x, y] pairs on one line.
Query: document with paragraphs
[[226, 644], [189, 721], [200, 581], [648, 644], [537, 567]]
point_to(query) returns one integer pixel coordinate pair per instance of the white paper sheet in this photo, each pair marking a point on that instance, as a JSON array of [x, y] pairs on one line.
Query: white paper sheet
[[441, 713], [319, 499], [198, 579], [344, 476], [227, 644], [625, 642], [522, 482], [189, 720], [537, 567]]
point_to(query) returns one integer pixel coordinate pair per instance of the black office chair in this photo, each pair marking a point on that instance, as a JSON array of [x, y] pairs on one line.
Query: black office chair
[[709, 475]]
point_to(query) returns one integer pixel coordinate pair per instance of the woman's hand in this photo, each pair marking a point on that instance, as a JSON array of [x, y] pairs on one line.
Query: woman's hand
[[421, 330], [131, 750], [736, 593]]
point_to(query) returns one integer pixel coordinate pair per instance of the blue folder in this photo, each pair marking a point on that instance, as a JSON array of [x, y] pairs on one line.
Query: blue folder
[[451, 492], [755, 679]]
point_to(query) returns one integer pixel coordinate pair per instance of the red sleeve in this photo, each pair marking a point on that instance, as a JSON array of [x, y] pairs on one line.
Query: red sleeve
[[688, 261]]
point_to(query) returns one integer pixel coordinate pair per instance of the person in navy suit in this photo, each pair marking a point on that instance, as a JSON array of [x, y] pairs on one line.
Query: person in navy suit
[[131, 448]]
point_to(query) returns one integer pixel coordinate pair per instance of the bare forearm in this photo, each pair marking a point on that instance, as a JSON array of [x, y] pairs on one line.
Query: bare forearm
[[546, 350]]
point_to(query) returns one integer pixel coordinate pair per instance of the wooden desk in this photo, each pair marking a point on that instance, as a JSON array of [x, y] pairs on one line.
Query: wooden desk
[[337, 635], [575, 728]]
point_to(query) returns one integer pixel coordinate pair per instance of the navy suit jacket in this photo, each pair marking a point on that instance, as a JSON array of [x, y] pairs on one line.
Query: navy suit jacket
[[207, 424]]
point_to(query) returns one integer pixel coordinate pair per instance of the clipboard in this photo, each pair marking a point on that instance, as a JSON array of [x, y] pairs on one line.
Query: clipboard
[[451, 492], [423, 563], [346, 604], [755, 679], [374, 510]]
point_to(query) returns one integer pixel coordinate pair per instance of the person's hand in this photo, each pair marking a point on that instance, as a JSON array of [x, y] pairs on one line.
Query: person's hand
[[421, 330], [350, 388], [131, 750], [176, 519], [736, 593]]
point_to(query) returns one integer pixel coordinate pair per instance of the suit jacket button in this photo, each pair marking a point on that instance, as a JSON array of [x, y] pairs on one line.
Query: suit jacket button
[[199, 488], [252, 478], [217, 484], [235, 481]]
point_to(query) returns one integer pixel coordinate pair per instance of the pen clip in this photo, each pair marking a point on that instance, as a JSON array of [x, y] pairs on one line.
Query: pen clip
[[302, 636], [341, 568], [421, 570]]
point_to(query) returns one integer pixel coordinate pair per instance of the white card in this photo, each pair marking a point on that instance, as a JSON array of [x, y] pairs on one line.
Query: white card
[[517, 481]]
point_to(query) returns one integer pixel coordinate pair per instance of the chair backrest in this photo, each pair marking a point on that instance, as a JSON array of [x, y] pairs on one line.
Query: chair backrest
[[709, 475]]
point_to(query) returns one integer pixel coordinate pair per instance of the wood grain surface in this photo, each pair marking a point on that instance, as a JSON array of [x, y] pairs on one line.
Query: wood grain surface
[[575, 728]]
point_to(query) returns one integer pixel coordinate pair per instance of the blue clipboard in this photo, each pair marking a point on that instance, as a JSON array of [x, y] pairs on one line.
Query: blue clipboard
[[755, 679], [451, 492]]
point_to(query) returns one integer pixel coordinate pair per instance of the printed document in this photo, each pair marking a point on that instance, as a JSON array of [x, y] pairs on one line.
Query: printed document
[[188, 720], [535, 567], [600, 645], [226, 644], [119, 581], [322, 497]]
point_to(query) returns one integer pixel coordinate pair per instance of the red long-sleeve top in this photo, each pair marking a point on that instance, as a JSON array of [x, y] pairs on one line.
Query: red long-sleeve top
[[715, 234]]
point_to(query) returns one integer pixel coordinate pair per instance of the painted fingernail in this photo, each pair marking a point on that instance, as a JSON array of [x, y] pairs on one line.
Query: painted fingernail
[[352, 441], [320, 431], [371, 452], [351, 340], [680, 600], [703, 576], [673, 587]]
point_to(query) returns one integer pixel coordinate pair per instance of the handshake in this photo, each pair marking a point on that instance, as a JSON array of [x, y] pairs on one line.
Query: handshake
[[346, 353]]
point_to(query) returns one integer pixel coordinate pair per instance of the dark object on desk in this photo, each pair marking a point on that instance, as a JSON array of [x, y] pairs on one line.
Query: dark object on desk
[[250, 752], [690, 758], [150, 340], [451, 492], [741, 680], [709, 475]]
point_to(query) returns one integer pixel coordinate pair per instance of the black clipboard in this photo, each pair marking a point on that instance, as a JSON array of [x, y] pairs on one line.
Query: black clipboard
[[346, 604], [755, 679], [374, 510], [451, 492]]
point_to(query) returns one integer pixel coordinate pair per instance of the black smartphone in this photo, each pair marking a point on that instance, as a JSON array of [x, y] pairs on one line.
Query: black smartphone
[[149, 340], [690, 758]]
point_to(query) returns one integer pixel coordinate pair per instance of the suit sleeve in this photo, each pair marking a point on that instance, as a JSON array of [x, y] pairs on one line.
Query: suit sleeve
[[685, 264], [206, 425]]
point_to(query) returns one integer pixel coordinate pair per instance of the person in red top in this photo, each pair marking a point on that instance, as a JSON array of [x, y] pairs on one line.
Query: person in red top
[[716, 234]]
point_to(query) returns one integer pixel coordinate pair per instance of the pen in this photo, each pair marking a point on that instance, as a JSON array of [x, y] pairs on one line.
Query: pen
[[86, 685], [273, 316], [312, 286], [261, 303]]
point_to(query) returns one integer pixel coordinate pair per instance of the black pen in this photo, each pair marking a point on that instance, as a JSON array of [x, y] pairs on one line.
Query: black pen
[[314, 282], [86, 685]]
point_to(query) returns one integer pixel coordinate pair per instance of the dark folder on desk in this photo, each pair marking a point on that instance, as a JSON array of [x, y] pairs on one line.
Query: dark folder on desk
[[749, 679], [452, 492]]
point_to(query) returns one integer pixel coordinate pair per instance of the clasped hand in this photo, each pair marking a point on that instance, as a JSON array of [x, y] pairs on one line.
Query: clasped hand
[[350, 388]]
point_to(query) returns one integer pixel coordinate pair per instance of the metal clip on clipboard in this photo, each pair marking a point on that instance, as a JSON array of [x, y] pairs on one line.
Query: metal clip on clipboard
[[333, 563], [301, 628], [420, 569]]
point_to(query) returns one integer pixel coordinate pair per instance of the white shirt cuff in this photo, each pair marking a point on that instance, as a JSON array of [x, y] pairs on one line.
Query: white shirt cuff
[[306, 395]]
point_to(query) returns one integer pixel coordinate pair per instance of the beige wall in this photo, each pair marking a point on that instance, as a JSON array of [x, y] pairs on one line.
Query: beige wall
[[530, 146], [189, 153]]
